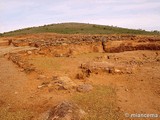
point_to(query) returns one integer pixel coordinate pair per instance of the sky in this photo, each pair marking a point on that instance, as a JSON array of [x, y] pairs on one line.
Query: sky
[[136, 14]]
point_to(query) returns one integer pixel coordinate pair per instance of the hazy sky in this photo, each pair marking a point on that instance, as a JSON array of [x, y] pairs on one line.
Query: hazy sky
[[138, 14]]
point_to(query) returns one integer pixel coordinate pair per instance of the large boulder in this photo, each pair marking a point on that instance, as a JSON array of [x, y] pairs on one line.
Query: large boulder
[[64, 111]]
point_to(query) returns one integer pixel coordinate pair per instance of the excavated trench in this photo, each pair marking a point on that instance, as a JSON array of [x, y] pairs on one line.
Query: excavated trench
[[77, 44]]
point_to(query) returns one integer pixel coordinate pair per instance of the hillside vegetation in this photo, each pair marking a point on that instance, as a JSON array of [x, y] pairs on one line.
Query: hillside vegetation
[[78, 28]]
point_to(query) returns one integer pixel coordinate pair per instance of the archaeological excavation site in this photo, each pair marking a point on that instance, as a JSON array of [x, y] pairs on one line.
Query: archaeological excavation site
[[52, 76]]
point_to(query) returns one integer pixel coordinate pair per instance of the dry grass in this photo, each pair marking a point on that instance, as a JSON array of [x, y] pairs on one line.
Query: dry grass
[[6, 114], [58, 64], [61, 64], [47, 63], [100, 104]]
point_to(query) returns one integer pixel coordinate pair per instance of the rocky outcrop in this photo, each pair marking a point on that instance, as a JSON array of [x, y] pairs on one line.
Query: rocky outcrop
[[64, 111]]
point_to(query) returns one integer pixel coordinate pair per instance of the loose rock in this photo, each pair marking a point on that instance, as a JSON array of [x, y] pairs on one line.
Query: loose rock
[[29, 52], [64, 83], [84, 88]]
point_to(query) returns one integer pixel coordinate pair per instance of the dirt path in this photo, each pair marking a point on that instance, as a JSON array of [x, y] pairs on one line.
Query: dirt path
[[15, 92], [12, 81], [11, 49]]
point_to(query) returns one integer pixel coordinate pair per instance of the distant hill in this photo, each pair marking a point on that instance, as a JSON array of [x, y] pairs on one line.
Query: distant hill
[[78, 28]]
